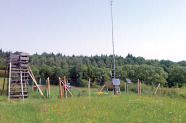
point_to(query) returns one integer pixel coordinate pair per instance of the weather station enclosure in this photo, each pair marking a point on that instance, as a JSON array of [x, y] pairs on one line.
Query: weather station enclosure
[[116, 84]]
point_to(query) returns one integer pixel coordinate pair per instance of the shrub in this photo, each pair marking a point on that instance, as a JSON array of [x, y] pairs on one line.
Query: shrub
[[173, 92]]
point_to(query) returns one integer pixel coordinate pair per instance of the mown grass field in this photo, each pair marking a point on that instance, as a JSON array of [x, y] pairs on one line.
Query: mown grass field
[[98, 108]]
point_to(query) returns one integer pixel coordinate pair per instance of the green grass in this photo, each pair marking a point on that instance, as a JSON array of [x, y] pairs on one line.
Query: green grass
[[98, 108]]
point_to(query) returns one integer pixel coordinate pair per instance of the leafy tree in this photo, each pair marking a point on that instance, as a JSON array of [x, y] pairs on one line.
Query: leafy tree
[[35, 71], [90, 72], [177, 75], [106, 77], [45, 71]]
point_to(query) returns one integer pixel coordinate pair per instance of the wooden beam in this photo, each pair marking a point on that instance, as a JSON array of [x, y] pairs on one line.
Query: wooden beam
[[39, 84], [36, 84], [31, 72], [69, 92], [157, 88], [37, 89], [102, 87]]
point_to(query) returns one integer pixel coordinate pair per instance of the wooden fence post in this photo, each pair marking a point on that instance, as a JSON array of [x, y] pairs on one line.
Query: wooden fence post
[[63, 86], [60, 93]]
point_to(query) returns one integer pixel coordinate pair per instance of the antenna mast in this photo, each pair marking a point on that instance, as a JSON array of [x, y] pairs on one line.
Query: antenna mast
[[116, 85], [111, 1]]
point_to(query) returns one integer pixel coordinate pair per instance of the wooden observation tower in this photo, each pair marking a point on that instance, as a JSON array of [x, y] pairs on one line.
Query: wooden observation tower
[[18, 75]]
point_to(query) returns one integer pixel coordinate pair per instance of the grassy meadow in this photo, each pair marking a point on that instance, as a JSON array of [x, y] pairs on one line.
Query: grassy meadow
[[129, 107]]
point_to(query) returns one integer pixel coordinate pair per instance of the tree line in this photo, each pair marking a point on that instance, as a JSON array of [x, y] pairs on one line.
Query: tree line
[[78, 69]]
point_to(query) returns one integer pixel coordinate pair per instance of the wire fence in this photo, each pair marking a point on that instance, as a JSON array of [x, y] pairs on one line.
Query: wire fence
[[133, 87]]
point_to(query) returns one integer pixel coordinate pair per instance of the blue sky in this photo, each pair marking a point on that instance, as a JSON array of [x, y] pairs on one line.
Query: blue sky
[[153, 29]]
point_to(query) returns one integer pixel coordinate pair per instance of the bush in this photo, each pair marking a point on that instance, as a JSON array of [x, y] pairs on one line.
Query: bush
[[169, 92], [182, 94], [174, 92]]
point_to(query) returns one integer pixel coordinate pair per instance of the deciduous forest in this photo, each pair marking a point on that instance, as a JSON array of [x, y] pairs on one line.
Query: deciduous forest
[[78, 69]]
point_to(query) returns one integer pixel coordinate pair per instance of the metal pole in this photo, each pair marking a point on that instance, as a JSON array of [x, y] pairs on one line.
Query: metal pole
[[9, 82], [116, 86], [113, 38]]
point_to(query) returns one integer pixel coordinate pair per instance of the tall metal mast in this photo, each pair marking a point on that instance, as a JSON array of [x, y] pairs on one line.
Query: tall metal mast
[[113, 38], [116, 85]]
